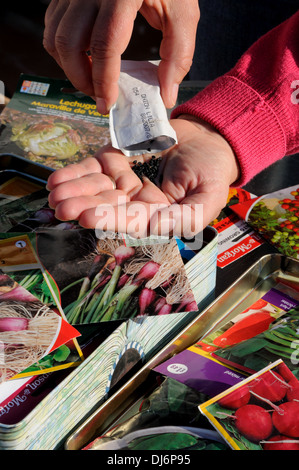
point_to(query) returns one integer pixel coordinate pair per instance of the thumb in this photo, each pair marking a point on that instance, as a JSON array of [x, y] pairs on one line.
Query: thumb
[[188, 218]]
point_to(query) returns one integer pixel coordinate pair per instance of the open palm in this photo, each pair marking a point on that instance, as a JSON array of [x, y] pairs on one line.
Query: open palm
[[197, 173]]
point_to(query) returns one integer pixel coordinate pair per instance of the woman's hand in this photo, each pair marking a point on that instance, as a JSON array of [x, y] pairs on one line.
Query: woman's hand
[[104, 27], [197, 173]]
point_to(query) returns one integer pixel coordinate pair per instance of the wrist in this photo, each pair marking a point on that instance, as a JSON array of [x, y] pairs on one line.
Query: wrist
[[219, 139]]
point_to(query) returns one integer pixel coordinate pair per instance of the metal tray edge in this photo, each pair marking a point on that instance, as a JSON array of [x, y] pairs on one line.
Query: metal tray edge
[[123, 398]]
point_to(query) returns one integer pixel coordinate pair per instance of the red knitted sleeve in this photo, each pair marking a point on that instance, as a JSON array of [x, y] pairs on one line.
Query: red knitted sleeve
[[255, 106]]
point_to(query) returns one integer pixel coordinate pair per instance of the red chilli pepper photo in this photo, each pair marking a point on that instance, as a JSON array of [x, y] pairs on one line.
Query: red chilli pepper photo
[[259, 304], [244, 329]]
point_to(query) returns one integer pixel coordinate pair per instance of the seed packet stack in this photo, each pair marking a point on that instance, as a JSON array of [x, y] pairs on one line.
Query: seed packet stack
[[135, 296], [45, 409], [104, 293]]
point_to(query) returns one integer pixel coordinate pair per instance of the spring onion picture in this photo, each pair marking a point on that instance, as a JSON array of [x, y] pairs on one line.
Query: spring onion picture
[[126, 282]]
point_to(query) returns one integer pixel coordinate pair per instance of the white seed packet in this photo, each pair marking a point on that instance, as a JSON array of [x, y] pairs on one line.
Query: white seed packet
[[139, 122]]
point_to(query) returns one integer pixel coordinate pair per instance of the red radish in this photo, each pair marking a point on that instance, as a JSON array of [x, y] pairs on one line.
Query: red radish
[[147, 272], [286, 419], [293, 392], [191, 307], [253, 422], [186, 300], [280, 442], [13, 324], [166, 283], [236, 399], [244, 329], [270, 386], [285, 372], [145, 298], [122, 253]]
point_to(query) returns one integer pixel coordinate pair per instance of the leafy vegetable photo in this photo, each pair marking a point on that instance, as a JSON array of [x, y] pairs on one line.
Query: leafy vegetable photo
[[276, 217]]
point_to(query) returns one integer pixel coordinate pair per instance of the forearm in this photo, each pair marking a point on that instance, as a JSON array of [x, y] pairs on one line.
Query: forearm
[[254, 105]]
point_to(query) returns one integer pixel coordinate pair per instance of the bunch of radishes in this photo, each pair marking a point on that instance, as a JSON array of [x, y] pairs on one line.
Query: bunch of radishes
[[266, 409]]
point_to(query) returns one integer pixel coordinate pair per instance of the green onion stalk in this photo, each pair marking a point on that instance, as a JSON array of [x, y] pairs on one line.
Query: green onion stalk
[[117, 302], [74, 310], [84, 304], [121, 254]]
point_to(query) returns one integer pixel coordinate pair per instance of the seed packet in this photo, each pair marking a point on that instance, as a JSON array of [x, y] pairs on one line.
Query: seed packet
[[255, 319], [198, 370], [34, 333], [138, 121], [281, 340], [276, 217], [49, 122], [167, 419], [16, 187], [129, 282], [259, 413]]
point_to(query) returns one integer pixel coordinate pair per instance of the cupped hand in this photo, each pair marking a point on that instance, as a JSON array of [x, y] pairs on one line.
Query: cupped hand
[[104, 28], [197, 173]]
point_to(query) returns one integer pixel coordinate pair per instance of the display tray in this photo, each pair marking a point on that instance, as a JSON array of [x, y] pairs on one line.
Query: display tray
[[12, 165], [249, 287]]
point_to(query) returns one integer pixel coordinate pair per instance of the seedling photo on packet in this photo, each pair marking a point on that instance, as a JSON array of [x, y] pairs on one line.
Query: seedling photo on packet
[[259, 413]]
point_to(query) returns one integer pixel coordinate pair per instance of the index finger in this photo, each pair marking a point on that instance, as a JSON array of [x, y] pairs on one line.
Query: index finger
[[73, 171]]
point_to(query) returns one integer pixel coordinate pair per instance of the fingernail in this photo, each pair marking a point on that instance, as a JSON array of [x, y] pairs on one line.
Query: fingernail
[[102, 106], [174, 94]]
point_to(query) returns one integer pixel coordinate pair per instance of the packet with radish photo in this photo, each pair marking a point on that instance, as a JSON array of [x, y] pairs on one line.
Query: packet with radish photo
[[34, 334], [276, 217], [139, 122], [252, 321], [259, 413]]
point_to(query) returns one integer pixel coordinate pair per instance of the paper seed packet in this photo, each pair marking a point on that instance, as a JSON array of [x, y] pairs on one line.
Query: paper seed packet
[[236, 237], [259, 413], [34, 334], [254, 320], [49, 122], [138, 121], [200, 371], [280, 340], [276, 217]]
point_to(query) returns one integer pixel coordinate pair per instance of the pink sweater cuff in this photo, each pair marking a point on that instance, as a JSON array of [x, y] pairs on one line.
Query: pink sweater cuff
[[245, 119]]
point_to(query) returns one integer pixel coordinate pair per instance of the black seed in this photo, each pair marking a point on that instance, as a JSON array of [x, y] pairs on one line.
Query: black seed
[[149, 169]]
